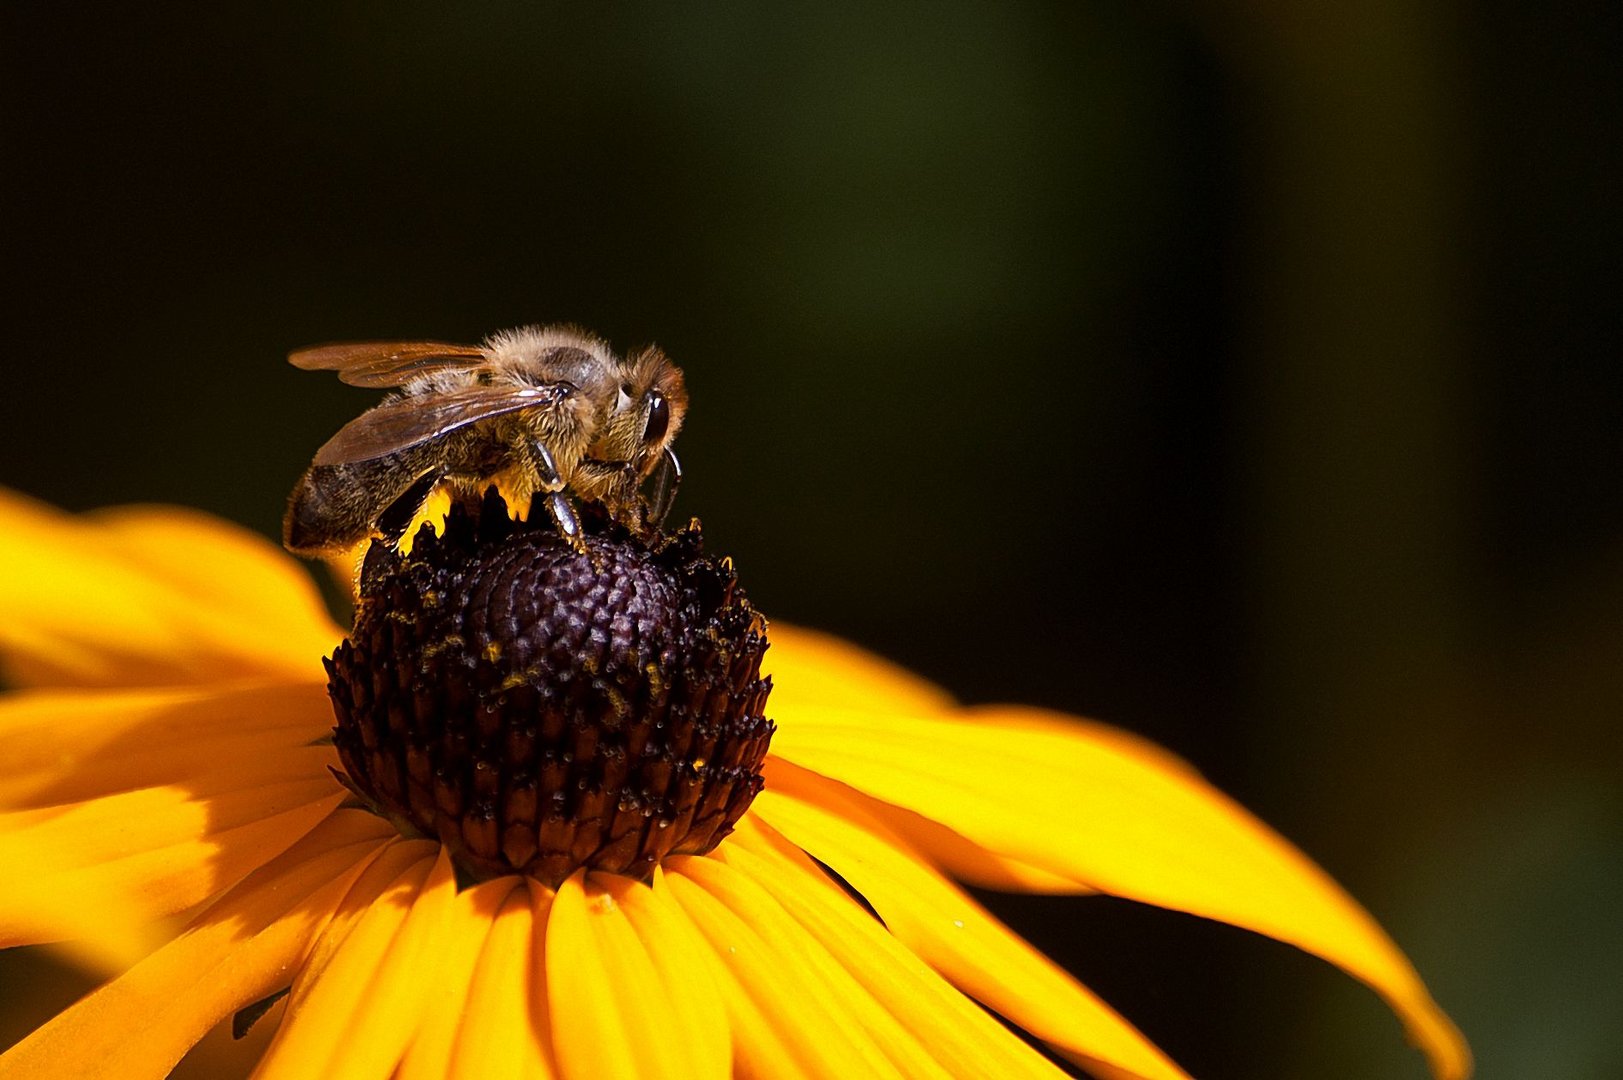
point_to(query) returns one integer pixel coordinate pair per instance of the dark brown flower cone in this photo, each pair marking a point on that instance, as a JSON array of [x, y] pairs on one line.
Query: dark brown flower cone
[[539, 709]]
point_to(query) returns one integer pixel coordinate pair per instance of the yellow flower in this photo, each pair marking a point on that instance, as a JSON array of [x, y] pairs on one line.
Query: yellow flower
[[168, 753]]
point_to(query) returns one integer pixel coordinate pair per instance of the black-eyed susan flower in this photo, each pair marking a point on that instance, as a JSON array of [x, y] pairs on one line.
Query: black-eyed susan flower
[[550, 835]]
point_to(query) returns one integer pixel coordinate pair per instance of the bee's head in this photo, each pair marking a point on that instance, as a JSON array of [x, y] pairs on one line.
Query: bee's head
[[647, 412]]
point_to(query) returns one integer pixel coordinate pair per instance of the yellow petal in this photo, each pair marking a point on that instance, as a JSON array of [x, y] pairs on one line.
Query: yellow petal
[[224, 567], [814, 673], [378, 877], [952, 852], [447, 977], [112, 944], [239, 951], [794, 1010], [1084, 802], [966, 1040], [81, 610], [613, 1011], [503, 1035], [62, 746], [811, 669], [959, 938], [72, 745], [133, 857], [354, 1020], [687, 968]]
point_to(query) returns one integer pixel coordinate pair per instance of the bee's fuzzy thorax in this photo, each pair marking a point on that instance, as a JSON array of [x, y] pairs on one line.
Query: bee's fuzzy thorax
[[519, 347]]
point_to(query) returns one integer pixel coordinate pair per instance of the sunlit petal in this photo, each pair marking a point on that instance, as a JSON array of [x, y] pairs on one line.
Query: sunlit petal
[[956, 936], [952, 852], [103, 947], [810, 670], [610, 1002], [225, 567], [241, 950], [503, 1035], [966, 1040], [448, 976], [1136, 823], [62, 746], [85, 606], [148, 853], [354, 1020], [687, 966], [794, 1009]]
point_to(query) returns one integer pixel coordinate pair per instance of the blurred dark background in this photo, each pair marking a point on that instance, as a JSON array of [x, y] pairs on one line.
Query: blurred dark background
[[1242, 374]]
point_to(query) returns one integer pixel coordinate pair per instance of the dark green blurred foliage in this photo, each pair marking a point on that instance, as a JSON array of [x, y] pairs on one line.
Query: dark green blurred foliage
[[1246, 375]]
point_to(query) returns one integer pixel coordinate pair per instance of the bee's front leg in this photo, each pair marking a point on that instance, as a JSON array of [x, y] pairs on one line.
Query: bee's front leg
[[552, 483], [614, 484], [667, 478]]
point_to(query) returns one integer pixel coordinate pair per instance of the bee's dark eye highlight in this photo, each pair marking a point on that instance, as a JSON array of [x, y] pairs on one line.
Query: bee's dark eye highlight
[[659, 417]]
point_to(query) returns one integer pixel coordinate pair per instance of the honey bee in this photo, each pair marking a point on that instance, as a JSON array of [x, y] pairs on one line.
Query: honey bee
[[542, 409]]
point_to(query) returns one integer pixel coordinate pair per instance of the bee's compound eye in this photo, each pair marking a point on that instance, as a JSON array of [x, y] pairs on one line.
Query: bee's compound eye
[[659, 417]]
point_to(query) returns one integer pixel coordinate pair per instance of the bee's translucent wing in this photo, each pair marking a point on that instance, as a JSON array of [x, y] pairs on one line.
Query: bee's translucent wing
[[386, 363], [410, 421]]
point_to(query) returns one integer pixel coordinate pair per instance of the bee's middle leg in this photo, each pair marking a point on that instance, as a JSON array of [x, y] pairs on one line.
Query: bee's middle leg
[[552, 485]]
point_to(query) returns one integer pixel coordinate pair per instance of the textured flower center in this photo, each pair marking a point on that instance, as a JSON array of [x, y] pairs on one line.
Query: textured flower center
[[539, 709]]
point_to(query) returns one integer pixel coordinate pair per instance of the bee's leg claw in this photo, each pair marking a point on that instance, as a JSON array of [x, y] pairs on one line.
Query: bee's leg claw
[[563, 513]]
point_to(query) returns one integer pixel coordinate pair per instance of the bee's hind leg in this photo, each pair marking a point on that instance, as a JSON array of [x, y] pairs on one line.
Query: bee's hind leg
[[558, 504], [397, 517], [382, 554]]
